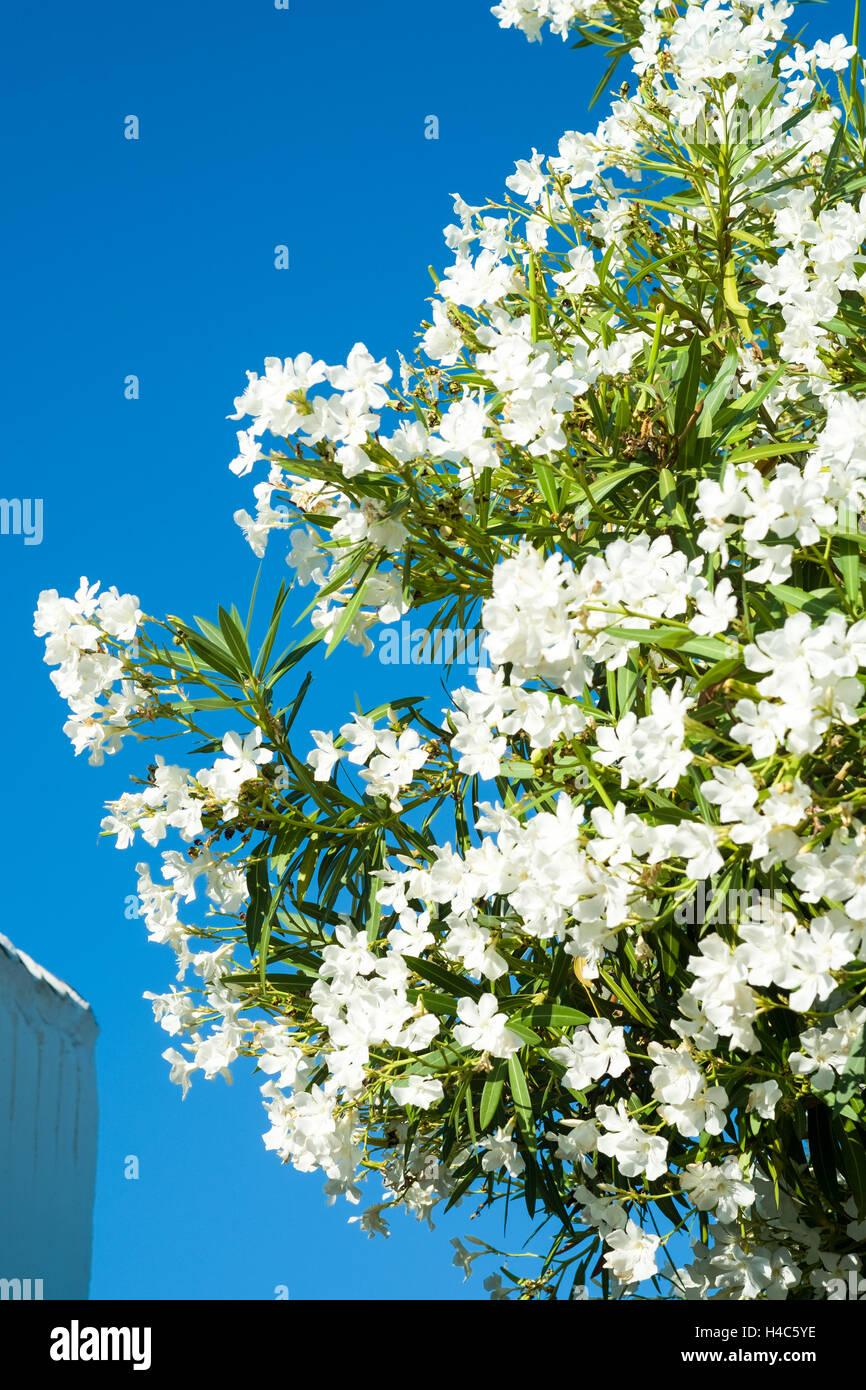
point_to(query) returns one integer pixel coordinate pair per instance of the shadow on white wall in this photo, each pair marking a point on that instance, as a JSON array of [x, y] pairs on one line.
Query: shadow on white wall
[[48, 1128]]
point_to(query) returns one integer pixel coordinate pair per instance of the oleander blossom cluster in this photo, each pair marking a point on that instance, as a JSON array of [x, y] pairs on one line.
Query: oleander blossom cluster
[[562, 16], [700, 72], [592, 931], [86, 638]]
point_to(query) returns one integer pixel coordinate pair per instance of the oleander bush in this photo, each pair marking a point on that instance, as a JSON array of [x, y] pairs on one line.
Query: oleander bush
[[594, 943]]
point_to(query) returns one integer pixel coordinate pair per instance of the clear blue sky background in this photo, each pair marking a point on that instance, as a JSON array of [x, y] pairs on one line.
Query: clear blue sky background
[[156, 257]]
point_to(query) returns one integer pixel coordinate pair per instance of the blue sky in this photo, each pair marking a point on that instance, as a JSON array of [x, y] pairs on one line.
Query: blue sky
[[155, 257]]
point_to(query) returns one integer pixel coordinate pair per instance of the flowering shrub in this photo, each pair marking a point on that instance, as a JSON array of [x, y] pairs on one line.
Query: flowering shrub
[[597, 939]]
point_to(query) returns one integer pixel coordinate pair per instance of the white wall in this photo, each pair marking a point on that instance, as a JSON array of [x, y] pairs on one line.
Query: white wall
[[48, 1125]]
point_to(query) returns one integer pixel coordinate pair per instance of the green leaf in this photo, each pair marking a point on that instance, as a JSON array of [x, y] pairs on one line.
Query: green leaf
[[374, 911], [717, 674], [436, 1003], [853, 1164], [522, 1103], [668, 493], [770, 451], [233, 634], [817, 602], [259, 889], [212, 702], [550, 1190], [607, 483], [687, 391], [215, 657], [618, 54], [492, 1093], [292, 655], [547, 484], [715, 396], [626, 686], [847, 553], [678, 639], [351, 610], [212, 634], [530, 1188], [282, 983], [668, 1207], [464, 1178], [445, 979], [524, 1032], [627, 997], [557, 1016], [264, 653], [669, 942], [822, 1151], [652, 636], [832, 158], [853, 1079], [712, 648], [747, 406]]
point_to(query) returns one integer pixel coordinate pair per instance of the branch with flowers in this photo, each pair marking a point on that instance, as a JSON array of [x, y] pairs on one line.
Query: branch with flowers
[[463, 949]]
